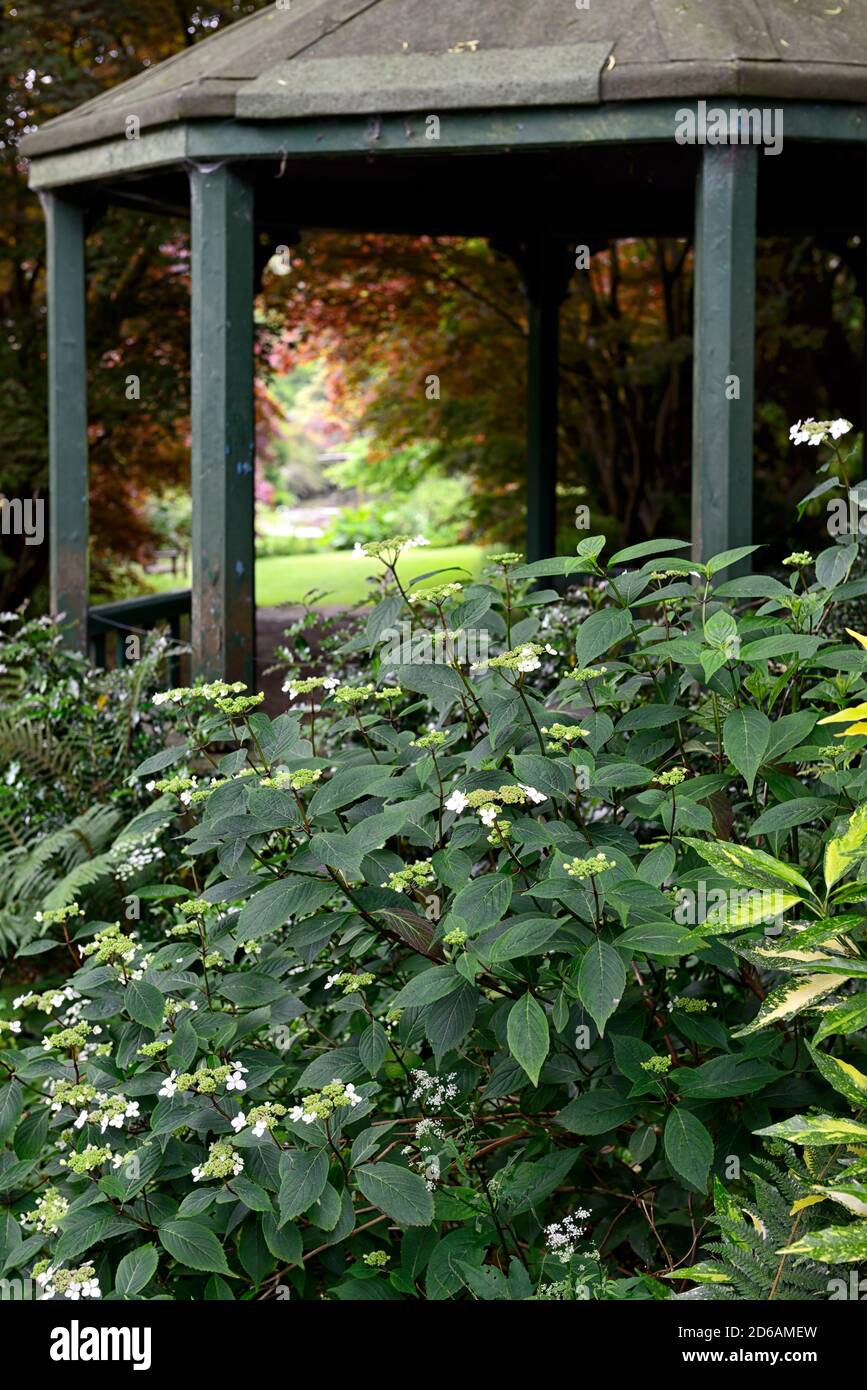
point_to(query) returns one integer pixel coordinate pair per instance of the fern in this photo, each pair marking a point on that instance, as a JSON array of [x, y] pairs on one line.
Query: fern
[[746, 1261]]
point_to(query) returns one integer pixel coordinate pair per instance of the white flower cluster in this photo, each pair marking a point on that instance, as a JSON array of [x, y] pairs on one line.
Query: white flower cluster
[[563, 1236], [293, 687], [489, 812], [816, 432], [426, 1161], [136, 859], [434, 1091], [236, 1081], [298, 1113], [74, 1289], [110, 1112], [56, 1000]]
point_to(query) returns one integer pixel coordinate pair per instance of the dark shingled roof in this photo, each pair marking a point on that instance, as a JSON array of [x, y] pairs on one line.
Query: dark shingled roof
[[346, 57]]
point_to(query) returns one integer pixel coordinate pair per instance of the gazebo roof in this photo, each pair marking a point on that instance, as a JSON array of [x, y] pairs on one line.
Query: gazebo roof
[[379, 57]]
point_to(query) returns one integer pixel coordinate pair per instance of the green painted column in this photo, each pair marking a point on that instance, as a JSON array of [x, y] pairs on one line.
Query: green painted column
[[547, 266], [543, 384], [725, 326], [67, 414], [223, 425]]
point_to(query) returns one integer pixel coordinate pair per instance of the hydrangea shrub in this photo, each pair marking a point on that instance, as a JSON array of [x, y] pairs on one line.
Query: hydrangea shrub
[[486, 982]]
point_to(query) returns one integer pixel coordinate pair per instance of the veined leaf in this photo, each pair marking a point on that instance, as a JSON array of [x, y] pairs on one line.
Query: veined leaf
[[601, 982], [748, 908], [786, 814], [596, 1112], [527, 1035], [846, 1079], [428, 986], [194, 1245], [136, 1269], [661, 939], [817, 1131], [851, 1195], [833, 1245], [789, 999], [841, 852], [303, 1175], [599, 632], [746, 735], [644, 548], [402, 1195], [848, 1017], [688, 1147], [752, 868]]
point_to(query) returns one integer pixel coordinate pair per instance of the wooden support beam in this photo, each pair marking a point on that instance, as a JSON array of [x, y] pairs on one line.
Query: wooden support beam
[[546, 267], [67, 414], [724, 358], [223, 427], [543, 389]]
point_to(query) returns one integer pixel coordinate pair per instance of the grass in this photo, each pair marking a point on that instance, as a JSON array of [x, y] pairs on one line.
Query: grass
[[286, 579]]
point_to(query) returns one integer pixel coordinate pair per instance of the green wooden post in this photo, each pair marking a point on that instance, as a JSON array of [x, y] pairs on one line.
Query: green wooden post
[[543, 380], [67, 414], [547, 268], [223, 428], [725, 325]]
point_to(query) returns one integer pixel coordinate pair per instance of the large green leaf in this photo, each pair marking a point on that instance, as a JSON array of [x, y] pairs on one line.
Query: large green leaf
[[746, 735], [274, 905], [144, 1003], [303, 1175], [601, 982], [11, 1105], [347, 785], [833, 564], [530, 936], [89, 1226], [136, 1269], [527, 1185], [402, 1195], [193, 1244], [799, 810], [597, 1112], [643, 548], [484, 902], [431, 984], [660, 939], [601, 631], [552, 776], [527, 1035], [688, 1147]]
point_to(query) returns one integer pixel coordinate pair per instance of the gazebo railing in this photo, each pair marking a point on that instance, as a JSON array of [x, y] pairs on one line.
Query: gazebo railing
[[109, 625]]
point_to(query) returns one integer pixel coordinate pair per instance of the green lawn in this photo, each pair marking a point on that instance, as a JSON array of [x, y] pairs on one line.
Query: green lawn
[[286, 579]]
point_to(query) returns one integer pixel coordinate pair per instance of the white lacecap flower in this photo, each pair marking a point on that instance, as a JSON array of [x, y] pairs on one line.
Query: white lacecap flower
[[456, 802], [533, 795], [239, 1122]]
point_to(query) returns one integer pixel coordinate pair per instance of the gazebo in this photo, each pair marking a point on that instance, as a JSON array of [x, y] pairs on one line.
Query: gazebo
[[544, 125]]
